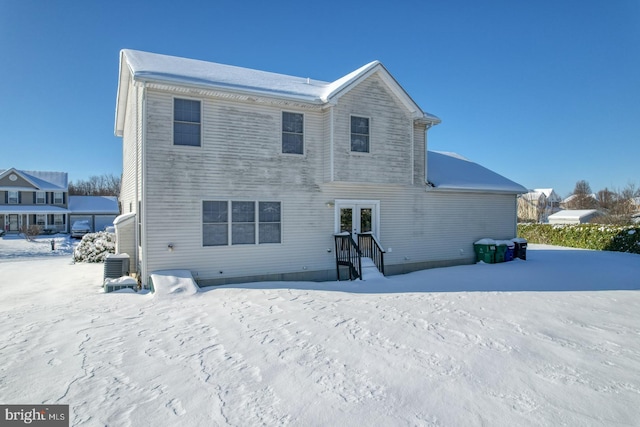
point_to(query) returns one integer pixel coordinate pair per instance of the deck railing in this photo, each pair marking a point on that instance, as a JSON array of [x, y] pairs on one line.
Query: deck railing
[[371, 248], [348, 255]]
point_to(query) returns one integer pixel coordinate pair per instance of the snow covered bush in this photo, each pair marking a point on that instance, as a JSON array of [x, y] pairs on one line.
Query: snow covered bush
[[94, 247], [587, 236]]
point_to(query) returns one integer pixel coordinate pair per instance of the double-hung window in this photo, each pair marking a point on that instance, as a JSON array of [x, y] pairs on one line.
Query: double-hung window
[[12, 197], [40, 220], [269, 226], [186, 122], [240, 223], [215, 223], [57, 198], [292, 133], [359, 134], [243, 227], [41, 198]]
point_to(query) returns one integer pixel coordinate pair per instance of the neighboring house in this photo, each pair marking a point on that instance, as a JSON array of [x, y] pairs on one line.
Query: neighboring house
[[577, 216], [99, 211], [243, 175], [538, 204], [34, 198]]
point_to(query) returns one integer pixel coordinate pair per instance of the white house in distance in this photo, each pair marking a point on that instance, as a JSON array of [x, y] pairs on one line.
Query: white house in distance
[[242, 175], [538, 204], [34, 198], [42, 198]]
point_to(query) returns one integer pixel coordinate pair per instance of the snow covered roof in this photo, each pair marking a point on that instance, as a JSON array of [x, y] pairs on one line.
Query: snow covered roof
[[94, 204], [573, 213], [548, 193], [32, 209], [450, 171], [41, 180], [156, 68]]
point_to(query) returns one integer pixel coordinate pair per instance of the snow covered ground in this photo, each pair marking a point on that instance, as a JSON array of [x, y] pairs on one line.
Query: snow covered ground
[[554, 340]]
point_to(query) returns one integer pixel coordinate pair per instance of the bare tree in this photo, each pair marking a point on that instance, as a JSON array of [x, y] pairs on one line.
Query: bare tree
[[582, 197], [607, 199], [96, 185], [30, 232]]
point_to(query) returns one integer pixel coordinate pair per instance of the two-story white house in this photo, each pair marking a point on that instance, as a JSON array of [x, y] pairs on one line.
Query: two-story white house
[[243, 175], [33, 198]]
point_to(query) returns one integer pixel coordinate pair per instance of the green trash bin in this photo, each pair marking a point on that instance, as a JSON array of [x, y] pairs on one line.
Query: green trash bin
[[501, 251], [485, 251]]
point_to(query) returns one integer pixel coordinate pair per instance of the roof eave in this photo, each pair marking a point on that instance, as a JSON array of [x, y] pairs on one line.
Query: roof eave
[[124, 79], [432, 187], [149, 79]]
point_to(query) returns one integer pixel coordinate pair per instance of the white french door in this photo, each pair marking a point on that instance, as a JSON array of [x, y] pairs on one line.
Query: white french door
[[357, 216]]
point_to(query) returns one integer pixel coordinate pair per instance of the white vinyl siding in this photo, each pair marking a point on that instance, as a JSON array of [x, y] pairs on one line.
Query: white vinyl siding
[[241, 160], [390, 130]]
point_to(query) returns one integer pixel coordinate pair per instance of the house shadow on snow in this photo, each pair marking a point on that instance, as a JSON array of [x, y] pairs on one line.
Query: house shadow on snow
[[545, 270]]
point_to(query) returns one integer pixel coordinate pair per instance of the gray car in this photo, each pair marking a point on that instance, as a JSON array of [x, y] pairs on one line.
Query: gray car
[[80, 228]]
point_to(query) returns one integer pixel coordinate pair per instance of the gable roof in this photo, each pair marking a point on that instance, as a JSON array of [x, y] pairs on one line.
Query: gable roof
[[41, 180], [450, 171], [156, 68], [549, 193]]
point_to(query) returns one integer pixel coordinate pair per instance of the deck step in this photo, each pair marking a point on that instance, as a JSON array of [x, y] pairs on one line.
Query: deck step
[[369, 270]]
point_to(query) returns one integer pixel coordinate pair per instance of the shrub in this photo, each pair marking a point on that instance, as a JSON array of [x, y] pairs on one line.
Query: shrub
[[587, 236], [94, 247]]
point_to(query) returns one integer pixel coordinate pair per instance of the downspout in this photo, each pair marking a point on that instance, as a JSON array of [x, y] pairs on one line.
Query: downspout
[[138, 143], [143, 199], [427, 126], [413, 149]]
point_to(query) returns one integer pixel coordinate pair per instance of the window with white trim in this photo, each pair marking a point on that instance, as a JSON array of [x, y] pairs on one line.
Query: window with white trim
[[58, 220], [12, 197], [270, 220], [186, 122], [215, 223], [237, 223], [243, 223], [292, 133], [40, 220], [359, 134], [57, 198], [41, 197]]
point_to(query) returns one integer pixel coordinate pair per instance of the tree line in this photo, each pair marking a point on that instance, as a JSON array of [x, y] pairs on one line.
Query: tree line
[[96, 185], [617, 205]]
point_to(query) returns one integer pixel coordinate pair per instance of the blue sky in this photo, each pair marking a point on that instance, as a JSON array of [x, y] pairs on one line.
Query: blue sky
[[546, 93]]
